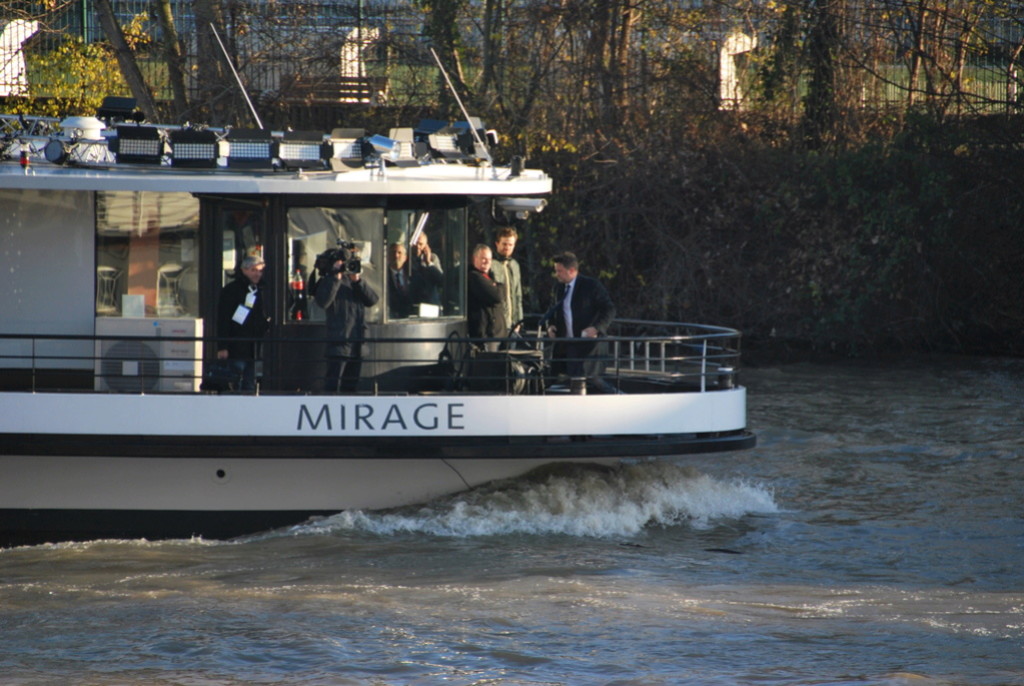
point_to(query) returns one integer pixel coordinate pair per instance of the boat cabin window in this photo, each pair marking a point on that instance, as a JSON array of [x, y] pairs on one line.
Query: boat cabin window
[[147, 254], [425, 272], [241, 235], [350, 231], [411, 257]]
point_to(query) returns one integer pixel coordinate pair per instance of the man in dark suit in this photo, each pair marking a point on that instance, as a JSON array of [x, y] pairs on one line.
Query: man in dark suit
[[583, 310], [399, 282], [243, 317], [412, 284]]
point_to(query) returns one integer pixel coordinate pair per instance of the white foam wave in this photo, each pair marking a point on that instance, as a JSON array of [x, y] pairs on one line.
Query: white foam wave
[[576, 501]]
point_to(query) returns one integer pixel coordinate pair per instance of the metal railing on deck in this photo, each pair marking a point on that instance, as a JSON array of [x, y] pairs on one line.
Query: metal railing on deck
[[675, 352], [637, 357]]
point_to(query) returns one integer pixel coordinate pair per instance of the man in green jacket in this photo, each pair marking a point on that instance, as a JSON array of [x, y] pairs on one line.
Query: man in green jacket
[[506, 272]]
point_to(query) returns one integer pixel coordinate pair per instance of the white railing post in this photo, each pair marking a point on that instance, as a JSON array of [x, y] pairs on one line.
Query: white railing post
[[704, 367]]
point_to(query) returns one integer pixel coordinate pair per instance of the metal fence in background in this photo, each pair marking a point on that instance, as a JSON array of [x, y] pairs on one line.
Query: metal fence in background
[[78, 17], [314, 46], [297, 37]]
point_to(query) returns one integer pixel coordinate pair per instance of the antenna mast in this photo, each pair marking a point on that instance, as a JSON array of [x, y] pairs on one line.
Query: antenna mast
[[476, 136], [237, 77]]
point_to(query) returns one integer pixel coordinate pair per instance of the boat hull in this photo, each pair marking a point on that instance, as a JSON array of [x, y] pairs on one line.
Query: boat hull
[[59, 498], [80, 488], [88, 466]]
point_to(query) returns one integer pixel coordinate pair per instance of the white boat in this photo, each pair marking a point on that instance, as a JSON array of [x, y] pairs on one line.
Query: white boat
[[117, 238]]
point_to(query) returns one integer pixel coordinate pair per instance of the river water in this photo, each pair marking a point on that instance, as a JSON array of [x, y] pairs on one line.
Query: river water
[[874, 536]]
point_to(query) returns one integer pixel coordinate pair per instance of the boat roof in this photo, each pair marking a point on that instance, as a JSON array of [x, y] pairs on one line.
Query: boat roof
[[84, 154], [441, 179]]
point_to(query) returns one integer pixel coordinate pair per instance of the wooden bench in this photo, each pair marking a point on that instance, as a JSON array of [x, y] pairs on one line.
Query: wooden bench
[[333, 89]]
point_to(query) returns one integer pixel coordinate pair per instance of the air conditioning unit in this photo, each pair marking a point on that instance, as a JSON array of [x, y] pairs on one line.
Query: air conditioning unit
[[181, 361], [133, 364]]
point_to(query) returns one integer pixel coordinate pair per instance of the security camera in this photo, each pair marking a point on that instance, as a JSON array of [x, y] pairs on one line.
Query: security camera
[[521, 207], [384, 146]]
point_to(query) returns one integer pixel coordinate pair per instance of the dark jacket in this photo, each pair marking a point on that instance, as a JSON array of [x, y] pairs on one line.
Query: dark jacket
[[591, 306], [345, 304], [423, 285], [256, 324], [486, 307], [427, 280]]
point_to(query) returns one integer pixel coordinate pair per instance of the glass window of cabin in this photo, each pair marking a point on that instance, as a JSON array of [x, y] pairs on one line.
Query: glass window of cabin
[[312, 231], [147, 254], [241, 235], [425, 276]]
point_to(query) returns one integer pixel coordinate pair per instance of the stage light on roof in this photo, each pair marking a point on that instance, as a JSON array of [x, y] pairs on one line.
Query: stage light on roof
[[346, 147], [251, 149], [194, 149], [459, 142], [138, 145], [302, 149], [411, 152]]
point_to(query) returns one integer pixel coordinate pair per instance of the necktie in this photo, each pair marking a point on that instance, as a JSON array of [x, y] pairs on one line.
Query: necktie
[[567, 309]]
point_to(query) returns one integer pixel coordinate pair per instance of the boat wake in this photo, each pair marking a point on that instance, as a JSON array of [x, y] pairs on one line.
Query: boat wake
[[572, 500]]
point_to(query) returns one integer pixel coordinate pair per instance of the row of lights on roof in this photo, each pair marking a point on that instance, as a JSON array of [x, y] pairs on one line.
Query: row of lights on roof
[[260, 149]]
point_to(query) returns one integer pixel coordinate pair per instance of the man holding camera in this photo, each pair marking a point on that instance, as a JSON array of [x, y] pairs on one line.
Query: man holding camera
[[344, 296]]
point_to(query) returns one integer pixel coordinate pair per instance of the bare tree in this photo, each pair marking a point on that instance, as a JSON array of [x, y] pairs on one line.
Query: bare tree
[[443, 28], [173, 57], [608, 57], [126, 58], [492, 38], [823, 92], [215, 83]]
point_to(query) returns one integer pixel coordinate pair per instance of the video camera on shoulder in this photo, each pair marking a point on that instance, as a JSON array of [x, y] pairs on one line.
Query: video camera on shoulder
[[347, 253]]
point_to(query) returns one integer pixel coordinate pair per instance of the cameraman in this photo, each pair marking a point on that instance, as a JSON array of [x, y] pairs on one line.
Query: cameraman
[[344, 295]]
